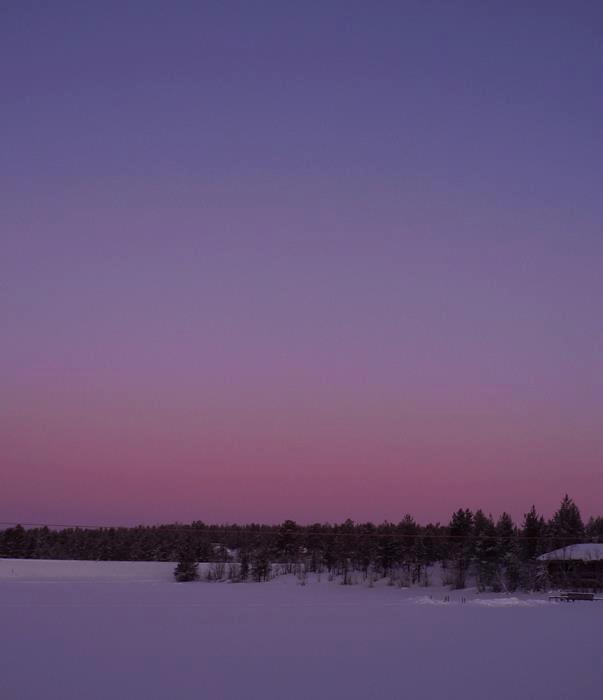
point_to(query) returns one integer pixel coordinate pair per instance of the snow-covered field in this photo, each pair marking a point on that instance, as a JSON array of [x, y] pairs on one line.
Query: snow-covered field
[[113, 630]]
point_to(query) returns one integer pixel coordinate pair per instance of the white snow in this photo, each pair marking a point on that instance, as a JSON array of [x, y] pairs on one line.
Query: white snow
[[54, 569], [589, 551], [126, 631]]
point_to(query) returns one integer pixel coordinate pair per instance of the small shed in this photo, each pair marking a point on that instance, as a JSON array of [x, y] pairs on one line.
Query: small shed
[[576, 567]]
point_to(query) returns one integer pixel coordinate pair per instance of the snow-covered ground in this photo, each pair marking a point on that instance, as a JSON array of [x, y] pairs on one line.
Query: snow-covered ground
[[113, 630]]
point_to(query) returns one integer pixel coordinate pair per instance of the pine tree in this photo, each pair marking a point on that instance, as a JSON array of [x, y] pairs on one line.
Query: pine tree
[[260, 564], [566, 525], [287, 544], [186, 569], [485, 551], [14, 543], [505, 532], [460, 530], [532, 543], [594, 529], [366, 550], [532, 535], [409, 531], [387, 549], [244, 572]]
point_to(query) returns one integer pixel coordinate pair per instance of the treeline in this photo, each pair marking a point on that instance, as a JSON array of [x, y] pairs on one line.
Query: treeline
[[472, 547]]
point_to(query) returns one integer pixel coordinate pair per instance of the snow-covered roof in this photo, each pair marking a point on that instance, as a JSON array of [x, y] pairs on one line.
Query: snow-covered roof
[[590, 551]]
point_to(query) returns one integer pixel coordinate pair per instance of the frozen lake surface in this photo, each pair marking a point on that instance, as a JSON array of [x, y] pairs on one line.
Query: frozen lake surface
[[107, 631]]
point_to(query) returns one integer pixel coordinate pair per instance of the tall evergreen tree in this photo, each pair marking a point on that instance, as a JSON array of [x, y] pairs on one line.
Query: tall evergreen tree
[[186, 568], [387, 548], [566, 526], [260, 564], [485, 551], [409, 532], [460, 531], [287, 543], [244, 571], [505, 533], [532, 535], [366, 550]]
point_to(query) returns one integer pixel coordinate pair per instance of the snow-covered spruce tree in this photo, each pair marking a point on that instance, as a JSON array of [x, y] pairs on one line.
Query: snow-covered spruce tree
[[186, 569]]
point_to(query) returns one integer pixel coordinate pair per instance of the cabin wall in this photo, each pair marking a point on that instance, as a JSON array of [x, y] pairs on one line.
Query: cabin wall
[[575, 574]]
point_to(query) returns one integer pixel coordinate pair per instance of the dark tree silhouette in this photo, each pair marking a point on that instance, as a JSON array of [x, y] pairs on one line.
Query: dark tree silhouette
[[186, 569]]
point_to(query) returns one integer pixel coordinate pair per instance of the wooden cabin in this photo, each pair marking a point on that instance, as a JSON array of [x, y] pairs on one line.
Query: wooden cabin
[[575, 567]]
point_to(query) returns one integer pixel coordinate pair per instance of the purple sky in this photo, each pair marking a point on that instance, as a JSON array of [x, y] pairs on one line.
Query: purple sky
[[309, 260]]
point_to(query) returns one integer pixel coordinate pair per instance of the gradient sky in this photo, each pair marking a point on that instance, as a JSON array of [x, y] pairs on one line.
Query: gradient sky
[[300, 259]]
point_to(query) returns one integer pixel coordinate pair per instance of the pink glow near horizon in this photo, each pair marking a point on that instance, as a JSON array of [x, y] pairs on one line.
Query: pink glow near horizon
[[109, 452]]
